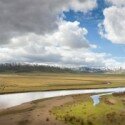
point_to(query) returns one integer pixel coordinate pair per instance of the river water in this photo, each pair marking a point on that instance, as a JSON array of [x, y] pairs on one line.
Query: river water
[[10, 100], [96, 98]]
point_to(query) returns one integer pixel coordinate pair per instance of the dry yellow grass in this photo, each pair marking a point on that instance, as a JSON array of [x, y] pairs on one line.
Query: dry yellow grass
[[53, 81]]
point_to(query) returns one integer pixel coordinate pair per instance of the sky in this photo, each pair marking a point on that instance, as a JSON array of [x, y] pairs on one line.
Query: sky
[[63, 32]]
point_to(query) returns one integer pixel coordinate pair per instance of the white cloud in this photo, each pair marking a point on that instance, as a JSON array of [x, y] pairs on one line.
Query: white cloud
[[67, 46], [46, 48], [112, 28], [116, 2], [69, 34], [19, 17], [82, 5], [32, 31]]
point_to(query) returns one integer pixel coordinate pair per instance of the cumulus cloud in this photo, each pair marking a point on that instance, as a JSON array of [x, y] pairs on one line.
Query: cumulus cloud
[[66, 46], [116, 2], [69, 36], [19, 17], [59, 55], [33, 31], [112, 28]]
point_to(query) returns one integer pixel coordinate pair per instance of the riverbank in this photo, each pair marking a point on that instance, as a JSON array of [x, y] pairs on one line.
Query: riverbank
[[34, 113], [68, 110], [16, 83]]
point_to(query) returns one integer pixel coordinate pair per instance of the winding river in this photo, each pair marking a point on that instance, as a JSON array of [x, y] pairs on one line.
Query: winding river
[[10, 100]]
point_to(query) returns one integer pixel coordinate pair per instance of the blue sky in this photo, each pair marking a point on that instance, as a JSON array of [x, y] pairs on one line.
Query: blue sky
[[90, 21], [64, 32]]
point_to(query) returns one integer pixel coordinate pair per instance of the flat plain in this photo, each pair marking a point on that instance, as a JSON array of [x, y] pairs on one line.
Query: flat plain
[[11, 83]]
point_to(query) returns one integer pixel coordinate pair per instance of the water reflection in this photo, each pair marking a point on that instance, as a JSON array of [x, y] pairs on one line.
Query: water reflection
[[96, 98]]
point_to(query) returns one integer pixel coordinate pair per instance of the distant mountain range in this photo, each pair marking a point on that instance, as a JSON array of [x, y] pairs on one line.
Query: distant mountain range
[[91, 70], [100, 70], [18, 68]]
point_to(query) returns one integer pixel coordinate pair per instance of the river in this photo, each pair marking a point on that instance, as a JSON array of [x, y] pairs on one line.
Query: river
[[10, 100]]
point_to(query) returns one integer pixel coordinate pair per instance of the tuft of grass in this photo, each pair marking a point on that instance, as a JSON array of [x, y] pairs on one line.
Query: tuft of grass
[[47, 119], [23, 122]]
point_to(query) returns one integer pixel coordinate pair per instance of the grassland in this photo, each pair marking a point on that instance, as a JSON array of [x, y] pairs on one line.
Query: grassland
[[57, 81], [111, 111]]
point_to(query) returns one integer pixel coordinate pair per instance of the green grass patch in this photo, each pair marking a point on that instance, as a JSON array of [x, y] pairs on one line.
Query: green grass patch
[[111, 111]]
